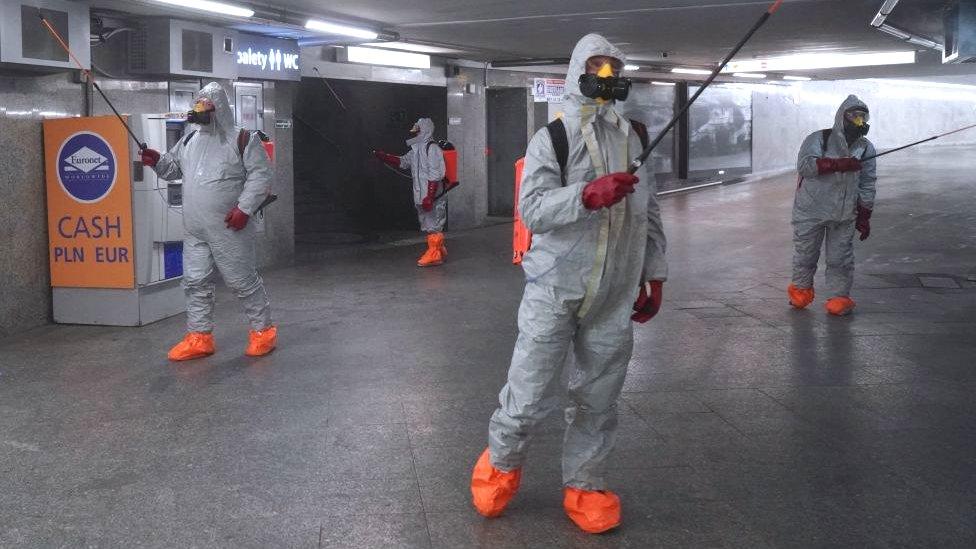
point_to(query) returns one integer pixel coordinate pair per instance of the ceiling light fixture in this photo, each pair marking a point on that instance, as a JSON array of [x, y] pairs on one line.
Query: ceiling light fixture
[[797, 78], [213, 7], [813, 61], [408, 46], [631, 67], [682, 70], [374, 56], [663, 84], [756, 75], [344, 30]]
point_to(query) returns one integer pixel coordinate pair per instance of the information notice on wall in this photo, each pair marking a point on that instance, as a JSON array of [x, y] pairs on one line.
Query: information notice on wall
[[549, 90]]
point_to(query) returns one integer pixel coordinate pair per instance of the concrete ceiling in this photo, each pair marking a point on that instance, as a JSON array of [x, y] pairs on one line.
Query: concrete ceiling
[[692, 31], [689, 32]]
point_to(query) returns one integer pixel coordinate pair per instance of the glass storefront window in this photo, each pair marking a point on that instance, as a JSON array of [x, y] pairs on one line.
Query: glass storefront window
[[654, 106], [720, 130]]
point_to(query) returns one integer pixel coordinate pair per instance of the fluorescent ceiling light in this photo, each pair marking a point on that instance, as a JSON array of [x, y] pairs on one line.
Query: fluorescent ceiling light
[[631, 67], [663, 83], [344, 30], [813, 61], [749, 75], [682, 70], [797, 78], [407, 46], [214, 7], [373, 56]]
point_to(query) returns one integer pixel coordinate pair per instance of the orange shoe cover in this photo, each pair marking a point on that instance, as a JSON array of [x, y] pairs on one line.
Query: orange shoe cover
[[194, 345], [840, 306], [800, 297], [491, 489], [263, 342], [440, 244], [593, 512], [434, 255]]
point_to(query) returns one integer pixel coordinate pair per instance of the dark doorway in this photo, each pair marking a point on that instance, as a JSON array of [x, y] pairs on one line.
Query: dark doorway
[[508, 117], [343, 194], [541, 114]]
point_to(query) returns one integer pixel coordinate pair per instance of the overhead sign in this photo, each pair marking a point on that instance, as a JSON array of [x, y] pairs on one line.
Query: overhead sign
[[267, 58], [89, 203], [549, 90]]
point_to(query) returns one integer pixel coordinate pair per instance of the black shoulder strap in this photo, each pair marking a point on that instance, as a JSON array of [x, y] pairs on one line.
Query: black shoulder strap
[[188, 137], [560, 144], [641, 130]]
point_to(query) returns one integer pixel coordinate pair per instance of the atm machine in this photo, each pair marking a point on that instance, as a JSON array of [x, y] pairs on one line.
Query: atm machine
[[157, 203], [116, 229]]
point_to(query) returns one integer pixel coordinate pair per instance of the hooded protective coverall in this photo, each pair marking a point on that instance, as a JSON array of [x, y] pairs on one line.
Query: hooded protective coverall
[[426, 163], [215, 179], [583, 273], [825, 206]]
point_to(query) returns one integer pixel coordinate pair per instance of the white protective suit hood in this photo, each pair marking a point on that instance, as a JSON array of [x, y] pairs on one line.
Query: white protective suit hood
[[589, 46], [426, 126], [837, 146], [223, 116]]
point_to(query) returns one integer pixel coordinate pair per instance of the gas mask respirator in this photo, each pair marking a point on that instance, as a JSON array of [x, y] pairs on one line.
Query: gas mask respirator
[[856, 123], [202, 113], [604, 86]]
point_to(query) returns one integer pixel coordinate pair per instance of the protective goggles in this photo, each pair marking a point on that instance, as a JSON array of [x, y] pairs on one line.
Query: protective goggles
[[202, 112], [204, 105], [858, 118]]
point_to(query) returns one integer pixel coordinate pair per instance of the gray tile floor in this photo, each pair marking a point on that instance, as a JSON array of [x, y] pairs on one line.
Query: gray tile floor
[[745, 423]]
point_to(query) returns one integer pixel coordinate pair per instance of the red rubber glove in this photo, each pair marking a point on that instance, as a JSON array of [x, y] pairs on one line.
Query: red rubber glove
[[608, 190], [831, 165], [647, 306], [863, 223], [236, 219], [388, 159], [428, 203], [150, 157]]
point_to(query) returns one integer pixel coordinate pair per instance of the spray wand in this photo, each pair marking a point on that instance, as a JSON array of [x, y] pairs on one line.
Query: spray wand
[[933, 138], [91, 77]]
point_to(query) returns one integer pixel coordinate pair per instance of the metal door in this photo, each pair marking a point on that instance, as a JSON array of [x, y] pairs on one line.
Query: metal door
[[249, 99], [507, 130]]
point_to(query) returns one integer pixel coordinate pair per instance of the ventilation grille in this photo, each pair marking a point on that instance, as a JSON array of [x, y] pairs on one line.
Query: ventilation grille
[[138, 49]]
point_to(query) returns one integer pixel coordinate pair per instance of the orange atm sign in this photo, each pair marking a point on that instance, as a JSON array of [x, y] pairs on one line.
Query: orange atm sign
[[89, 203]]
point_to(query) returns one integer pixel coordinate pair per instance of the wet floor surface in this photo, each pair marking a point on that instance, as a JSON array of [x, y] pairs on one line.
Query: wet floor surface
[[744, 423]]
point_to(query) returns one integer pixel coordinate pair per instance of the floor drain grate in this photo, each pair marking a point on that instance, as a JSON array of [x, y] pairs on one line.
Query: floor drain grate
[[938, 282]]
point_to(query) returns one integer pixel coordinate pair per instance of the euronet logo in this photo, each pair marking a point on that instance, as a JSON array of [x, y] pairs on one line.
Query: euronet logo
[[86, 160], [87, 173]]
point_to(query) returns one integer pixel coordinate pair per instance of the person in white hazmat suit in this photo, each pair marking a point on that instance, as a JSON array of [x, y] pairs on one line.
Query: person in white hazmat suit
[[224, 183], [598, 244], [426, 164], [834, 197]]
